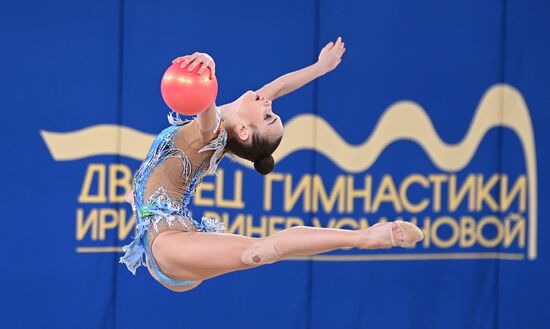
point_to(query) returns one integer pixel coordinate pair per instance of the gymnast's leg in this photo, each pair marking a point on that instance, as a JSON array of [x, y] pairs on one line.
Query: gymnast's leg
[[199, 256]]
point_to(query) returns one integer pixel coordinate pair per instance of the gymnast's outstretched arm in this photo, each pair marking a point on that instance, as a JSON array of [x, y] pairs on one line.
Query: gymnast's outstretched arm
[[329, 58]]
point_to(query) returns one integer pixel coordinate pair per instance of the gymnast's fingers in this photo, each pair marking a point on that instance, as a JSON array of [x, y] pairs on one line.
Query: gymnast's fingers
[[188, 59], [342, 51], [338, 43], [213, 71], [194, 64], [179, 59], [205, 65]]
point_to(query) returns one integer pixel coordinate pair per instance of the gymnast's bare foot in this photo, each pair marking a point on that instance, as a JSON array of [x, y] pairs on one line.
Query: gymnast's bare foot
[[387, 235]]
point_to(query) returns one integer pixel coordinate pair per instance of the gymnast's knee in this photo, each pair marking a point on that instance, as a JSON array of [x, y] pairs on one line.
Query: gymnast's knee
[[260, 253]]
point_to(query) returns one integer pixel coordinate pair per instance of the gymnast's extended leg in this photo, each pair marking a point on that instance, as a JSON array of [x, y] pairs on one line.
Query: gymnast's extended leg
[[199, 256]]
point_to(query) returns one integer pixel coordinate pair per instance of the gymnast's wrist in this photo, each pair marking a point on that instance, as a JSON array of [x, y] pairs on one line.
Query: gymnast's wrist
[[320, 68]]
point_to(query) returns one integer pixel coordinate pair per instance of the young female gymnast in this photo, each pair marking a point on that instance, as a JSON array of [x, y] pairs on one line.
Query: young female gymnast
[[181, 252]]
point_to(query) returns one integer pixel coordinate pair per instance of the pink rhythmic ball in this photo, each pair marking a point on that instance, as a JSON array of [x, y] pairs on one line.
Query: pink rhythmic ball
[[188, 93]]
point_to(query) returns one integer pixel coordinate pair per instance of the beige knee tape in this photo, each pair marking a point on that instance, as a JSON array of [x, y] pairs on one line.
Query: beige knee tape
[[260, 253]]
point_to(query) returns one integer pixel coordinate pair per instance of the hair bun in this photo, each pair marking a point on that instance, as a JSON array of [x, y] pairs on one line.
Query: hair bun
[[264, 165]]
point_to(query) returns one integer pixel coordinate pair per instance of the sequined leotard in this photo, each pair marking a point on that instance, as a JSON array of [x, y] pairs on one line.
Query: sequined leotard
[[179, 158]]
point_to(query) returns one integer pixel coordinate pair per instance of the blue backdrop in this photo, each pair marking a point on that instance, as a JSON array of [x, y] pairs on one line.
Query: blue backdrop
[[438, 114]]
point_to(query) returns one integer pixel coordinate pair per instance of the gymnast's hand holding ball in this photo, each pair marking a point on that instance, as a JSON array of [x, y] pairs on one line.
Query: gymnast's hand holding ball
[[186, 88]]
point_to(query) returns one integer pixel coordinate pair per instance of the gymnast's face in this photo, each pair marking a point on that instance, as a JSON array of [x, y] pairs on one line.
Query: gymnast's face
[[256, 116]]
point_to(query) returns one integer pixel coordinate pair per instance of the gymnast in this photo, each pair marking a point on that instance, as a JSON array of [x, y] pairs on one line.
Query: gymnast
[[181, 252]]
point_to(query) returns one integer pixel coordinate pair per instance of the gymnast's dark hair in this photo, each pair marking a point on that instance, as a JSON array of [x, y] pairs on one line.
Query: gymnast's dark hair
[[259, 150]]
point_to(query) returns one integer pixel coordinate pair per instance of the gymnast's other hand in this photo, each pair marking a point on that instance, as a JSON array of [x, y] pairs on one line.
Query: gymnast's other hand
[[331, 55], [197, 59], [130, 197]]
